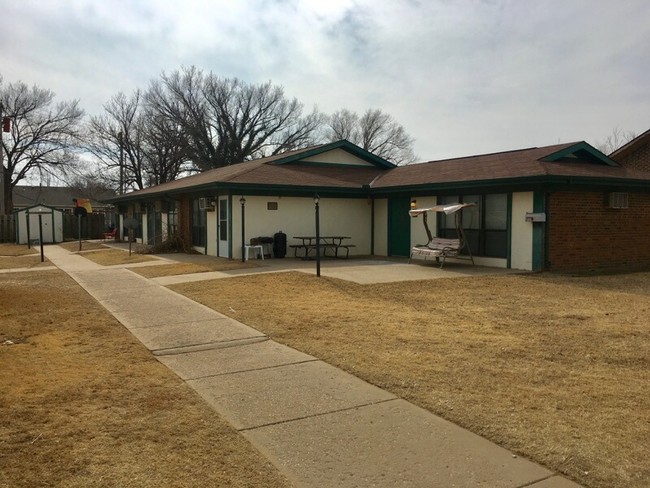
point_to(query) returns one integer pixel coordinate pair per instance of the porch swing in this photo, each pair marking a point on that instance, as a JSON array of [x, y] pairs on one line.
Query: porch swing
[[438, 247]]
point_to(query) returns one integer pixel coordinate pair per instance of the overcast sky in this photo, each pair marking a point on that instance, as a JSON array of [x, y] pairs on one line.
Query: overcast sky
[[463, 77]]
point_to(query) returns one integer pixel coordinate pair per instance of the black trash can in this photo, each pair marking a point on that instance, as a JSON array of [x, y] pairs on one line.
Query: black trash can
[[279, 245]]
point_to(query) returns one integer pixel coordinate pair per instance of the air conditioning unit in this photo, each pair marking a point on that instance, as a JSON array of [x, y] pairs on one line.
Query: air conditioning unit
[[206, 204], [618, 200]]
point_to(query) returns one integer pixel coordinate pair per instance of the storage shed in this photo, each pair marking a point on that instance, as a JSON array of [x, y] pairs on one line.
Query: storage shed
[[27, 229]]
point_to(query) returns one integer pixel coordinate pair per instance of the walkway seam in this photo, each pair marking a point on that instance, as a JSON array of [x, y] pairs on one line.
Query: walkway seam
[[207, 346], [533, 483], [316, 415], [254, 369]]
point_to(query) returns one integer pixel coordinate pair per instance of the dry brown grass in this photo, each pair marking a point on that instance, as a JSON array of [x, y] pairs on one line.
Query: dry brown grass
[[217, 264], [85, 404], [14, 256], [554, 368], [112, 257], [7, 249], [73, 246]]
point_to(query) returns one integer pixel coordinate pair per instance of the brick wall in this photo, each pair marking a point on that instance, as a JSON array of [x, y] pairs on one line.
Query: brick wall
[[585, 235], [185, 221], [639, 159]]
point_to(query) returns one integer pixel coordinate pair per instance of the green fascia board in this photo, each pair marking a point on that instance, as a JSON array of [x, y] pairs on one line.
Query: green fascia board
[[342, 144], [586, 150], [530, 182]]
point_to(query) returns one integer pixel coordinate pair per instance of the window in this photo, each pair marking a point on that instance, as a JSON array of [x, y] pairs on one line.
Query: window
[[485, 225], [198, 225], [172, 221]]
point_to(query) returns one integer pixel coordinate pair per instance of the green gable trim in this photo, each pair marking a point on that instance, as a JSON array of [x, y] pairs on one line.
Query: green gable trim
[[343, 144], [582, 151]]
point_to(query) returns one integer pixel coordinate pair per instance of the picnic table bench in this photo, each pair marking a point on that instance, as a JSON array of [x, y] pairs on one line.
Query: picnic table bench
[[334, 244]]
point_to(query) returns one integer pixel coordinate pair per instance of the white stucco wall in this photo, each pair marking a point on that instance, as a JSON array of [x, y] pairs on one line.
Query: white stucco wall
[[338, 156], [296, 217], [521, 256]]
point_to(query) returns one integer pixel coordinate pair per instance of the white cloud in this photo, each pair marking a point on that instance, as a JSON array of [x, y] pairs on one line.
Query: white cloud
[[463, 77]]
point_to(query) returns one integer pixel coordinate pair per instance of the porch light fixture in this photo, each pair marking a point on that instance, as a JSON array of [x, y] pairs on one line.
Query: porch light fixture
[[414, 205], [242, 201], [317, 214]]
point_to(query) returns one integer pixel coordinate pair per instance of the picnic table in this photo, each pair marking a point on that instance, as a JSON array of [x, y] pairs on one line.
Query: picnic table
[[334, 244]]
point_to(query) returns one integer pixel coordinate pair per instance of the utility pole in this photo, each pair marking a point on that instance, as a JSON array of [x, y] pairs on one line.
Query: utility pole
[[120, 137]]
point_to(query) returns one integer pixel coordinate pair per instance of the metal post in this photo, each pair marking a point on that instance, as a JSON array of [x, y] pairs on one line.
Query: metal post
[[242, 201], [316, 202], [79, 228], [120, 137], [40, 235]]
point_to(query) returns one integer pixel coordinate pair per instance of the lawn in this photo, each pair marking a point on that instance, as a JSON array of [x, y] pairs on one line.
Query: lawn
[[85, 404], [555, 368]]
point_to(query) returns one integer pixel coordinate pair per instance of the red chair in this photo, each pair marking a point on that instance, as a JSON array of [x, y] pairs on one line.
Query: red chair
[[111, 235]]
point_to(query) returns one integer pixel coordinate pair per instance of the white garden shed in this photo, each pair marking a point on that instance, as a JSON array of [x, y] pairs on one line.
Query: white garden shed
[[30, 219]]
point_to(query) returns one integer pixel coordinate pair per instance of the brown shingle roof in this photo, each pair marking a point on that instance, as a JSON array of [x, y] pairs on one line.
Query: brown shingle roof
[[263, 172], [524, 163]]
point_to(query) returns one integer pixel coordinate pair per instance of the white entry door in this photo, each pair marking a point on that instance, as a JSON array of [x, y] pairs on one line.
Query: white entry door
[[223, 228]]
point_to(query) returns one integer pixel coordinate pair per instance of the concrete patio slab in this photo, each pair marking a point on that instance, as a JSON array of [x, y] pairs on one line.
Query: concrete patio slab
[[389, 444], [248, 357], [193, 333], [255, 398]]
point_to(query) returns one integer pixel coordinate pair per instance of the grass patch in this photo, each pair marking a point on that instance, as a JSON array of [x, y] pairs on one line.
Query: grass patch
[[85, 404], [17, 250], [111, 257], [216, 264], [554, 368], [73, 246]]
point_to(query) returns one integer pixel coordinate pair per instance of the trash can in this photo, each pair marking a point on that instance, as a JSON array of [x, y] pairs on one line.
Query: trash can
[[279, 245]]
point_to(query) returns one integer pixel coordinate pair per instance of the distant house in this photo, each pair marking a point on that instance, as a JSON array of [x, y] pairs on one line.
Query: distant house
[[59, 197], [590, 211]]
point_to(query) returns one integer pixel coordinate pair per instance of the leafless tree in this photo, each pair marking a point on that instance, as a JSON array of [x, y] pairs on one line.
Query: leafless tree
[[615, 140], [374, 131], [152, 149], [43, 135], [228, 120]]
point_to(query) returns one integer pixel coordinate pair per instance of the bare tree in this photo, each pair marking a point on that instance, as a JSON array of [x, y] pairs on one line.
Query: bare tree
[[374, 131], [43, 135], [228, 120], [152, 149], [615, 140]]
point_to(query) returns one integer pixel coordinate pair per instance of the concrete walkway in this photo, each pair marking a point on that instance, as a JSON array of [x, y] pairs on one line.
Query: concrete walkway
[[320, 426]]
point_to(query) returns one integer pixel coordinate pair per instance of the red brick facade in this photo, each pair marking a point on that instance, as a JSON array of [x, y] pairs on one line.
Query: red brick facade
[[584, 234], [639, 159]]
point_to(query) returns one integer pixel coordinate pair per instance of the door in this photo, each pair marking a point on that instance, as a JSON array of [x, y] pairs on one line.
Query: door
[[399, 226], [154, 227], [223, 231]]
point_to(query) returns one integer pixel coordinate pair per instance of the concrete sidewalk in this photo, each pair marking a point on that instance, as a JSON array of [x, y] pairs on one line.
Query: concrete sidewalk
[[320, 426]]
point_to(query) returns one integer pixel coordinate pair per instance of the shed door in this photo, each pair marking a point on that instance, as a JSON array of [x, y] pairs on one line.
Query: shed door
[[399, 226]]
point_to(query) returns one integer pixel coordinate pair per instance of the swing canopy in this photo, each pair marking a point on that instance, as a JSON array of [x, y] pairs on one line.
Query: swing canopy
[[449, 208]]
